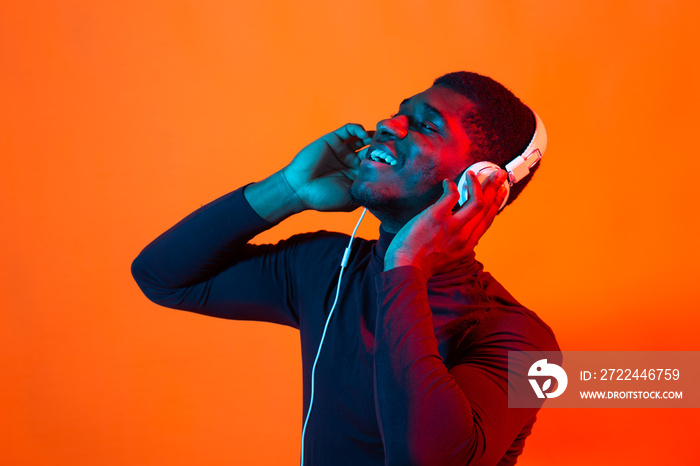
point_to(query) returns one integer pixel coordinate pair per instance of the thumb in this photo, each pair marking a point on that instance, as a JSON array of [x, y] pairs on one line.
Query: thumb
[[449, 197]]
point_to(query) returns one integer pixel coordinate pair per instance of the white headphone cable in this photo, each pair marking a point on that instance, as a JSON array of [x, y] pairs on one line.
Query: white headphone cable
[[343, 263]]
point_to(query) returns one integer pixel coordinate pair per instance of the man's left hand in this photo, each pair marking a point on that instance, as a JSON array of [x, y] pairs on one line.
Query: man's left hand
[[438, 239]]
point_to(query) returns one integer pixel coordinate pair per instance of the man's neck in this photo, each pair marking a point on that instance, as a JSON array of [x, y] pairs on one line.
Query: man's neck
[[390, 222], [390, 227]]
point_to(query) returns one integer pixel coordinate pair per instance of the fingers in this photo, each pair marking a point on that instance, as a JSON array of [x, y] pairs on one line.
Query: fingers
[[363, 153], [475, 202], [448, 199], [493, 196], [346, 140], [356, 142], [349, 133], [480, 223], [481, 200]]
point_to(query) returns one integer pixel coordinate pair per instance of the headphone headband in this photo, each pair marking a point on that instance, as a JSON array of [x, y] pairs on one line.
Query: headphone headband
[[519, 167]]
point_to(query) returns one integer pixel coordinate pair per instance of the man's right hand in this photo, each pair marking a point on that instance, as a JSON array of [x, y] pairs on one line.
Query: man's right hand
[[318, 178], [321, 173]]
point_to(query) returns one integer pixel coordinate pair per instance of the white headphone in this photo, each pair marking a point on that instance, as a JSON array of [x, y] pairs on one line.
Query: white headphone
[[517, 169]]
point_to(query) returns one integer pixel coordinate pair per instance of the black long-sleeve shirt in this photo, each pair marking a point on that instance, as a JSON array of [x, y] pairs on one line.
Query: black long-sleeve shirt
[[412, 372]]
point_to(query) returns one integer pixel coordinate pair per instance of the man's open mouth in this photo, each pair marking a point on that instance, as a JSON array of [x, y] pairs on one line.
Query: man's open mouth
[[378, 155]]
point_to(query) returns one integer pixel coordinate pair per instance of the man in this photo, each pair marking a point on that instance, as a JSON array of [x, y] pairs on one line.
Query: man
[[414, 370]]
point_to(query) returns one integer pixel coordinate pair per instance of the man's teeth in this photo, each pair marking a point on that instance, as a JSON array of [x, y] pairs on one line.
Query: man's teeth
[[381, 156]]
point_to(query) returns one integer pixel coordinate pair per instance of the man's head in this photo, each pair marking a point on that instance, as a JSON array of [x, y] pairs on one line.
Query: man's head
[[499, 125], [436, 135]]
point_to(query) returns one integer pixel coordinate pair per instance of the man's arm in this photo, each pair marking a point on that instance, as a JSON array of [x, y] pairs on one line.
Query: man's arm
[[273, 199], [205, 264], [429, 414]]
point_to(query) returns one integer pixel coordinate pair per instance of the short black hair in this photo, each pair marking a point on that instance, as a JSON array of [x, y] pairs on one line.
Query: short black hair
[[499, 125]]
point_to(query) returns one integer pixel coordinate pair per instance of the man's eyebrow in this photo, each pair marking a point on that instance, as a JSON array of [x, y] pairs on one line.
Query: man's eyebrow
[[429, 108], [435, 111]]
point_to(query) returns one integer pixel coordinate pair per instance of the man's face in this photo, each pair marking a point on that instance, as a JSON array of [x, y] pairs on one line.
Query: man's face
[[424, 143]]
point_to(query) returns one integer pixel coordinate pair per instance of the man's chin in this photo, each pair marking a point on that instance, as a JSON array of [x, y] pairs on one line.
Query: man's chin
[[363, 194], [382, 202]]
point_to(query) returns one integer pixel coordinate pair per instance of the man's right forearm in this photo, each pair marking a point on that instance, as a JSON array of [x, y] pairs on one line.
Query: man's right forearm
[[206, 264], [197, 248], [273, 198]]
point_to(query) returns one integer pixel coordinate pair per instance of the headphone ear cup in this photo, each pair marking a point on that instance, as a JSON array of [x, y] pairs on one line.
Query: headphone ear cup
[[482, 170]]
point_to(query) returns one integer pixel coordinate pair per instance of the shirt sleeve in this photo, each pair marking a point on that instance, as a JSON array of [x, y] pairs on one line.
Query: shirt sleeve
[[427, 413], [204, 264]]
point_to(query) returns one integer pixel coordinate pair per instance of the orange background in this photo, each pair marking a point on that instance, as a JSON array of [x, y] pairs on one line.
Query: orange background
[[119, 118]]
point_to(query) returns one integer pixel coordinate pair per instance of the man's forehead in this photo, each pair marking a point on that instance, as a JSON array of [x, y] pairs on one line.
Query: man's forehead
[[441, 100]]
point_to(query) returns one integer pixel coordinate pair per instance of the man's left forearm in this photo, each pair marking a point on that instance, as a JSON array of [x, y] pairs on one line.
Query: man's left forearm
[[424, 415]]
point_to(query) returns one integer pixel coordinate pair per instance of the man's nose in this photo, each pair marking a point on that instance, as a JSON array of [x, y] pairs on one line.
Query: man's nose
[[396, 126]]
